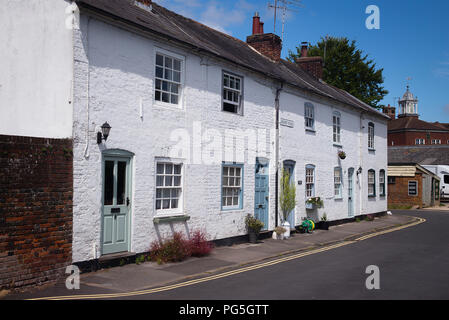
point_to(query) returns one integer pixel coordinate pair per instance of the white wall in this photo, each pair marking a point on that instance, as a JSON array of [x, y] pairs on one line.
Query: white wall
[[35, 69], [114, 71]]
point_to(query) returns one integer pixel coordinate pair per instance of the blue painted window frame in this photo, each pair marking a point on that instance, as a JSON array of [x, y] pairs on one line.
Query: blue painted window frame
[[234, 165]]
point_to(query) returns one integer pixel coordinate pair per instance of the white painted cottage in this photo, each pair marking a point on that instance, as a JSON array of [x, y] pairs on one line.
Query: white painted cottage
[[201, 125]]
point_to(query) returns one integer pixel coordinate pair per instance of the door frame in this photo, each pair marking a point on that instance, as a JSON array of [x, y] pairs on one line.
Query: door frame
[[117, 154], [266, 163], [351, 206]]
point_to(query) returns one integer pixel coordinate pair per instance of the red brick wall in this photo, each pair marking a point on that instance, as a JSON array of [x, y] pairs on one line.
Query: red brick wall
[[36, 186], [268, 44], [409, 138], [398, 192]]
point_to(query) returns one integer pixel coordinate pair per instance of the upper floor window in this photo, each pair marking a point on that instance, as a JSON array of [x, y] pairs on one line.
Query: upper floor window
[[336, 127], [337, 183], [231, 193], [420, 141], [371, 183], [232, 93], [371, 135], [436, 141], [382, 183], [309, 116], [168, 82], [168, 186], [310, 181]]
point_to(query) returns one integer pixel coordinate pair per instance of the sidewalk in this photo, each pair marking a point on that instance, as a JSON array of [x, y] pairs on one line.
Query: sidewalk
[[149, 275]]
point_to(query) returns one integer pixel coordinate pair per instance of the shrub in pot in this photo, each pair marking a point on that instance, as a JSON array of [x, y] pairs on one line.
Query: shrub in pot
[[279, 233], [253, 226], [287, 200], [324, 224]]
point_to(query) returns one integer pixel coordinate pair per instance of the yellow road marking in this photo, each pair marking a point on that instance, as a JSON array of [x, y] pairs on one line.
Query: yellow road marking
[[229, 273]]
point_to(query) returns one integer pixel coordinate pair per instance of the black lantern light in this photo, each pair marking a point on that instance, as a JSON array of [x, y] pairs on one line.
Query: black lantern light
[[104, 134]]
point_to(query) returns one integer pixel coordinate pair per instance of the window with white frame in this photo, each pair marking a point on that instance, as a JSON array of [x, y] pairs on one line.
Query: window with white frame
[[168, 186], [168, 82], [232, 93], [420, 141], [371, 183], [413, 188], [309, 116], [337, 183], [336, 120], [371, 135], [382, 183], [436, 141], [231, 194], [310, 181]]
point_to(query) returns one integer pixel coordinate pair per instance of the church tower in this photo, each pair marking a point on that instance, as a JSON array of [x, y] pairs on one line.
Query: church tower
[[408, 105]]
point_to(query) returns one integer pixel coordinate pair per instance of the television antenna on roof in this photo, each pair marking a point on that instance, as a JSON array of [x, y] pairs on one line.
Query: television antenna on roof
[[284, 5]]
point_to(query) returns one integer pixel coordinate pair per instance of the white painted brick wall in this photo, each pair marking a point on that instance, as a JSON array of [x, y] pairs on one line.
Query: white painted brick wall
[[121, 66]]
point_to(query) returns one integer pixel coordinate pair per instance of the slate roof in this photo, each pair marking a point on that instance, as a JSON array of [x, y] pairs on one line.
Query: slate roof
[[413, 123], [423, 155], [204, 39]]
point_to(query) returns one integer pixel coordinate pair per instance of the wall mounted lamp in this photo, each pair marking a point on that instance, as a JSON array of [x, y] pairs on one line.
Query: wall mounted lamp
[[104, 134]]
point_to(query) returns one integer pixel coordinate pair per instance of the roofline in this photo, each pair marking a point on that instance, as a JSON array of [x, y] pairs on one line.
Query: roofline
[[414, 164], [119, 21]]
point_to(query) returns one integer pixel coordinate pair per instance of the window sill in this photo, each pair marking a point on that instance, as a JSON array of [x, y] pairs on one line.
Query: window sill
[[168, 219], [371, 150], [166, 105], [230, 112], [231, 209], [337, 145], [310, 130], [372, 196]]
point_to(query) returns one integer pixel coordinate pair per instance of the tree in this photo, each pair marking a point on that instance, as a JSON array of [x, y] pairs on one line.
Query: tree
[[348, 68], [287, 197]]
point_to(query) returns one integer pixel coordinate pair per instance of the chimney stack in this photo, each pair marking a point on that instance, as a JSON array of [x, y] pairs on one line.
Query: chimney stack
[[389, 111], [268, 44], [312, 65]]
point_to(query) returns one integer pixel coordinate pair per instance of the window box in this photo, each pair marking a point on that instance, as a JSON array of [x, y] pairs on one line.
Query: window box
[[168, 219]]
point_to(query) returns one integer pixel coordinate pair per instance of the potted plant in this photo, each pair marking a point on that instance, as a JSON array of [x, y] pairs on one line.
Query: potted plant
[[253, 226], [314, 202], [287, 200], [278, 233], [342, 155], [324, 223]]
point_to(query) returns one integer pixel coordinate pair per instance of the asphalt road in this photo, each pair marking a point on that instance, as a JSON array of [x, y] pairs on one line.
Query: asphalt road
[[413, 264]]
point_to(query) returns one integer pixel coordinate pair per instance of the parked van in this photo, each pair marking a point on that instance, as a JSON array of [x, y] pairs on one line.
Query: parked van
[[443, 173]]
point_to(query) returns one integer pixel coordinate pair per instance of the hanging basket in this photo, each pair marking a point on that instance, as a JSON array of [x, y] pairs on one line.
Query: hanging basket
[[342, 155]]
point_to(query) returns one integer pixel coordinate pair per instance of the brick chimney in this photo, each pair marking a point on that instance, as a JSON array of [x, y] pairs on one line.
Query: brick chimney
[[312, 65], [389, 111], [268, 44]]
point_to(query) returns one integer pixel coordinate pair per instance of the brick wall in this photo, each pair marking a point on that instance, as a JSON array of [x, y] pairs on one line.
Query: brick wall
[[398, 192], [408, 138], [35, 210]]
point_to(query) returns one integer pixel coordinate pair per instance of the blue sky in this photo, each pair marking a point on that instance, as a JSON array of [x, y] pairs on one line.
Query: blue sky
[[413, 40]]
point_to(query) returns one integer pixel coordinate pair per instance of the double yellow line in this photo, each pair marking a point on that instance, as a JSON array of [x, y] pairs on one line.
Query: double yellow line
[[226, 274]]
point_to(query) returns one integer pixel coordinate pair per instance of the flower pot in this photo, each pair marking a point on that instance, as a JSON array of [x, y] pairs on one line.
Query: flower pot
[[310, 206], [253, 237], [286, 226], [324, 225]]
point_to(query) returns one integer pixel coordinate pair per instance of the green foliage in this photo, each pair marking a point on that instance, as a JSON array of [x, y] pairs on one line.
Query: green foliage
[[316, 201], [287, 199], [253, 224], [140, 259], [348, 68], [324, 217]]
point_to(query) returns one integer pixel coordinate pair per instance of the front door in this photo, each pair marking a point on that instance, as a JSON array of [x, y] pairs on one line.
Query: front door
[[261, 192], [116, 204], [289, 166], [351, 192]]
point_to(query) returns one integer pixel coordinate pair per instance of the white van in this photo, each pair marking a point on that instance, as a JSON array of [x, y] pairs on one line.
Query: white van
[[443, 173]]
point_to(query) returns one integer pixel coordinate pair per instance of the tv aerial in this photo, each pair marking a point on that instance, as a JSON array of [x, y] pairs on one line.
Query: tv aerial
[[284, 5]]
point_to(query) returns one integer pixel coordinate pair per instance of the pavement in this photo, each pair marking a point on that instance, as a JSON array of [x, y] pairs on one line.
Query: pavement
[[133, 277]]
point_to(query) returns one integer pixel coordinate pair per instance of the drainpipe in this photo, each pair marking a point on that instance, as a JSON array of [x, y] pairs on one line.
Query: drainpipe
[[277, 151]]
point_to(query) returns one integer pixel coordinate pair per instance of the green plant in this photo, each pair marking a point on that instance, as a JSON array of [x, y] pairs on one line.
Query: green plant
[[280, 230], [342, 155], [140, 259], [122, 262], [253, 224], [324, 217], [287, 199], [357, 219], [174, 249], [369, 217]]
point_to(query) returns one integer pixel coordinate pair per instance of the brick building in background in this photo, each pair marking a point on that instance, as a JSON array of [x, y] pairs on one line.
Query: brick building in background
[[408, 130]]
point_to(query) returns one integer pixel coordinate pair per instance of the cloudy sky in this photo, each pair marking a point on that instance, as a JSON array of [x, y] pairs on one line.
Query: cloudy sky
[[413, 40]]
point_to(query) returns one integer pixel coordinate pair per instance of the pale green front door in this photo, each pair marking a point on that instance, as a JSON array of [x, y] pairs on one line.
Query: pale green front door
[[116, 204]]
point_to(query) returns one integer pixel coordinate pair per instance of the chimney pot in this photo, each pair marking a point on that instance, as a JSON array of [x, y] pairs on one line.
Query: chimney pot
[[304, 49], [268, 44], [256, 24]]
